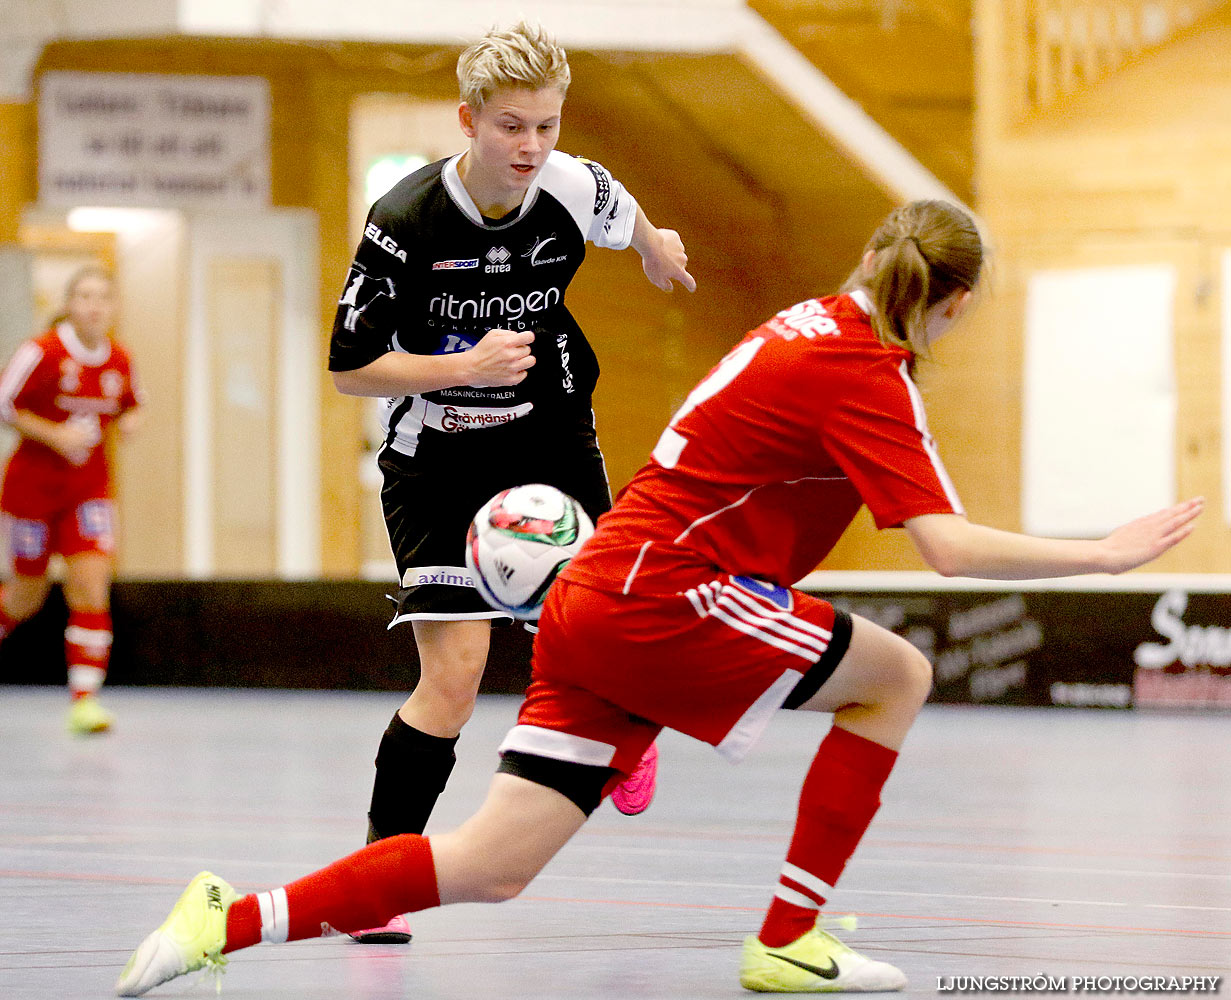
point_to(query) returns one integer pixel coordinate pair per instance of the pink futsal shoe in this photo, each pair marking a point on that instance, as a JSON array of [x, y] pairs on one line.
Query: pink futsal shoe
[[396, 931], [636, 792]]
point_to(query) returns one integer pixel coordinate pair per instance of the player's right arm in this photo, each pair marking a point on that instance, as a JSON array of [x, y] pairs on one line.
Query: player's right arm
[[72, 439], [362, 356], [29, 369], [502, 357]]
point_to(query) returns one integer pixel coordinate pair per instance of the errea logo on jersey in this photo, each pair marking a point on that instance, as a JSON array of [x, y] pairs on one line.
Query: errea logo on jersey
[[373, 233], [498, 261]]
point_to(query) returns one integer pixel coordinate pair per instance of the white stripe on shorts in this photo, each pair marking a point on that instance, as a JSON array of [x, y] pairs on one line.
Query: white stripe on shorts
[[760, 619], [769, 639], [275, 915], [784, 629], [752, 723], [766, 607], [558, 746]]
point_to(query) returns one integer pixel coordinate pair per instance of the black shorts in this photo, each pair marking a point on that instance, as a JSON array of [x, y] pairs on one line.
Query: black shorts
[[428, 507]]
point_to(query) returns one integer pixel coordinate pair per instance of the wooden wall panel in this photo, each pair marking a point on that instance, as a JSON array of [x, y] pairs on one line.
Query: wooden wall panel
[[1130, 171]]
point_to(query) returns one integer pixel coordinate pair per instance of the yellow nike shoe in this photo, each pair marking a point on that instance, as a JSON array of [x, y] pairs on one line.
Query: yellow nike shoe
[[86, 716], [191, 938], [816, 962]]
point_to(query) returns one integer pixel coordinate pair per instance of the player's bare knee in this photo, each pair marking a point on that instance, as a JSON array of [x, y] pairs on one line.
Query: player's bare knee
[[505, 886], [914, 675]]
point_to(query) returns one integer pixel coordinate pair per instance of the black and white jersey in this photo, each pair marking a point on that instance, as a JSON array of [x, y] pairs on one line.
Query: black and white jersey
[[432, 276]]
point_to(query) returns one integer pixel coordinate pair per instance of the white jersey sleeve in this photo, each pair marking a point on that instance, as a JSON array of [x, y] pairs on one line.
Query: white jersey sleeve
[[603, 210]]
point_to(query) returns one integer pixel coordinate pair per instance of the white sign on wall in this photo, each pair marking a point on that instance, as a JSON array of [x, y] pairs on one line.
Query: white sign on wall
[[153, 140], [1098, 441]]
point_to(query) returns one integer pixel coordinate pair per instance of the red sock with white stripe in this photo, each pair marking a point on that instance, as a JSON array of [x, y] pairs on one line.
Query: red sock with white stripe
[[87, 648], [365, 889], [840, 796]]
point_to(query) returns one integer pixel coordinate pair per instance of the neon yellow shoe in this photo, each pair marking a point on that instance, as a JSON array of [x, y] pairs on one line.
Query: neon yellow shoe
[[86, 716], [191, 938], [816, 962]]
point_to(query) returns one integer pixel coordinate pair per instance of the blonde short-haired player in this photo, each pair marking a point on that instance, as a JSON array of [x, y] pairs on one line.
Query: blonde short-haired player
[[454, 312]]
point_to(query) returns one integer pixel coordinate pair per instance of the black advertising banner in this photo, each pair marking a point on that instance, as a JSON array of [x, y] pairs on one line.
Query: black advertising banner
[[1160, 649]]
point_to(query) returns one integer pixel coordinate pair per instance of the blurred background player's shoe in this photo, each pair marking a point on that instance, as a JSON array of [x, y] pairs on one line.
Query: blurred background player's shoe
[[191, 938], [816, 962], [636, 792], [396, 931], [87, 716]]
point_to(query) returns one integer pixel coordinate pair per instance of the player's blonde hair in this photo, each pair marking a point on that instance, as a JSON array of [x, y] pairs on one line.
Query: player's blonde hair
[[922, 252], [521, 56]]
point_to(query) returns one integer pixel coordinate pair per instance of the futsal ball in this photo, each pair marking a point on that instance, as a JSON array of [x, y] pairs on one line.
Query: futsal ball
[[518, 543]]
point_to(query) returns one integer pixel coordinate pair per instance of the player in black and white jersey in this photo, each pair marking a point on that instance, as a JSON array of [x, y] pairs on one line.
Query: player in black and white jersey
[[454, 311]]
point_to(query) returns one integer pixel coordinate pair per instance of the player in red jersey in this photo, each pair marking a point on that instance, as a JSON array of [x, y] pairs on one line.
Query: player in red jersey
[[679, 612], [62, 392]]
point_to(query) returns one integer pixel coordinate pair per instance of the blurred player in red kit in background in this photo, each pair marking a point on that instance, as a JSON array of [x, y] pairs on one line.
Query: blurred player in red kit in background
[[62, 392]]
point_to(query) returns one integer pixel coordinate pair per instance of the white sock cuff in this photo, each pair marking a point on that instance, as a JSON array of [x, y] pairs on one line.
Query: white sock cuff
[[275, 915], [84, 678]]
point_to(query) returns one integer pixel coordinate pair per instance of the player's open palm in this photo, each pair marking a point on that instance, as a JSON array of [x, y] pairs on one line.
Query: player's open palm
[[668, 263], [1148, 537], [500, 358]]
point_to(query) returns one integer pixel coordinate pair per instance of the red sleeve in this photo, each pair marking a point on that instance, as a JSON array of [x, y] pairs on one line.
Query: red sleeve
[[879, 437]]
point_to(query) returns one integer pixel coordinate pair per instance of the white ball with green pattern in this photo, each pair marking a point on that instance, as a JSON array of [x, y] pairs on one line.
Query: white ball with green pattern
[[518, 543]]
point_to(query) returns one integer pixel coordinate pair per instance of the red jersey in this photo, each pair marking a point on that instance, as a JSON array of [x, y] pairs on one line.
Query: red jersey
[[770, 458], [56, 377]]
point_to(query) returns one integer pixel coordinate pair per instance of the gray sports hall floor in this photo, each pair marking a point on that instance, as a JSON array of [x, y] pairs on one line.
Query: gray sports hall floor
[[1024, 843]]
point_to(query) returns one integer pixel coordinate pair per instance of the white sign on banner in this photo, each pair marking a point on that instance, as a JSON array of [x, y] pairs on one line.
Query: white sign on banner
[[153, 140]]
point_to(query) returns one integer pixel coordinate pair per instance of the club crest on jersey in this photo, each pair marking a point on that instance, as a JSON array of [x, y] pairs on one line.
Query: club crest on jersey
[[536, 250], [386, 243], [456, 265], [498, 261]]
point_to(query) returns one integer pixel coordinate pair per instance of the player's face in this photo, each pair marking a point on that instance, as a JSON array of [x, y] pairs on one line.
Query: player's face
[[511, 135], [91, 306]]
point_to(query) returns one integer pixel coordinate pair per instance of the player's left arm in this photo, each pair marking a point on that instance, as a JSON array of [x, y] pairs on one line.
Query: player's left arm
[[662, 254]]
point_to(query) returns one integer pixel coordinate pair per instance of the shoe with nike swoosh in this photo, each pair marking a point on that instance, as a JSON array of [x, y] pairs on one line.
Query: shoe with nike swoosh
[[816, 962]]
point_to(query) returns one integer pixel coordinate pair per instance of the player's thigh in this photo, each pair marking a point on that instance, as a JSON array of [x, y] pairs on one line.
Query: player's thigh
[[452, 650], [878, 668]]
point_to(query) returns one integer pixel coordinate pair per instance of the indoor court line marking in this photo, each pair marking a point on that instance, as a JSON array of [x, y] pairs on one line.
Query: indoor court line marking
[[150, 880], [876, 841], [577, 847]]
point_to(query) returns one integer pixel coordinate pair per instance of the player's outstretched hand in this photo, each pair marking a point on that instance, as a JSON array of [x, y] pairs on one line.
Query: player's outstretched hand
[[500, 358], [1146, 538], [668, 262]]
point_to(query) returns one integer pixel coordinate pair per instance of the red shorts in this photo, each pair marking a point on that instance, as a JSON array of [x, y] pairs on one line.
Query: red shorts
[[715, 662], [87, 527]]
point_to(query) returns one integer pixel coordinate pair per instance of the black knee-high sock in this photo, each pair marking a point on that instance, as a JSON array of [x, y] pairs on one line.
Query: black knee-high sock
[[412, 768]]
